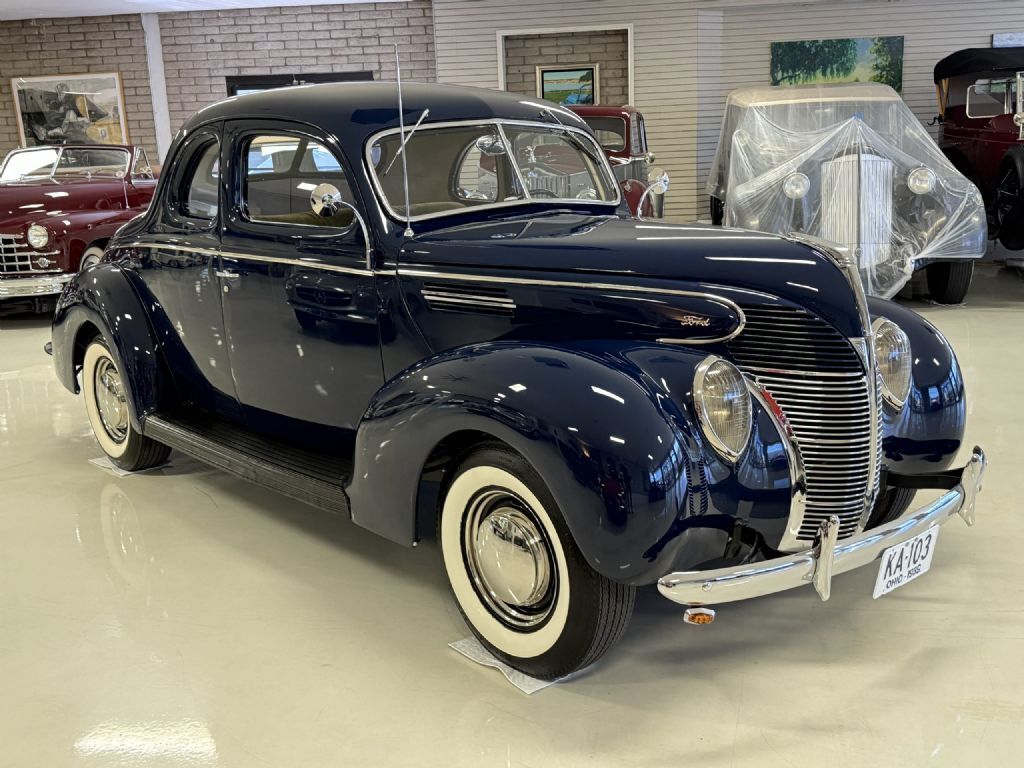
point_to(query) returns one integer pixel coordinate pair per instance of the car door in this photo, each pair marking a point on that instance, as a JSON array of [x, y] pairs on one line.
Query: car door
[[300, 305], [179, 274]]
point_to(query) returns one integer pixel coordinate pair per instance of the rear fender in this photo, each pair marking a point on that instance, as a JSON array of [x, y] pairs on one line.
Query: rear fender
[[617, 448], [105, 300]]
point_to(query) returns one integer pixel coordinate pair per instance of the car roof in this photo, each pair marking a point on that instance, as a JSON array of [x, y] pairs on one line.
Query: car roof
[[603, 110], [976, 60], [756, 96], [360, 109]]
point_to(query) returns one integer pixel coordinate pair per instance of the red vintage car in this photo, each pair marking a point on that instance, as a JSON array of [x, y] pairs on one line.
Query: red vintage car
[[59, 205], [981, 107], [621, 134]]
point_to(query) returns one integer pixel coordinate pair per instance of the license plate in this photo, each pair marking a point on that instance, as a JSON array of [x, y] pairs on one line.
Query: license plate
[[905, 562]]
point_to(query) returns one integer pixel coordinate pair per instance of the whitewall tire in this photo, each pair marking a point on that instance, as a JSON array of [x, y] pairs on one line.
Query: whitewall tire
[[108, 404], [92, 256], [516, 573]]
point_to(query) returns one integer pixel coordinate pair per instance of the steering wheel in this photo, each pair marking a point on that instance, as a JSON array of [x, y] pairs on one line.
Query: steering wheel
[[541, 192]]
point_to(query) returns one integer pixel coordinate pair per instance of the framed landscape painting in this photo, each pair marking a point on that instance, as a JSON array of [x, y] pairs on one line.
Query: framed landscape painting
[[569, 85], [70, 109], [843, 60]]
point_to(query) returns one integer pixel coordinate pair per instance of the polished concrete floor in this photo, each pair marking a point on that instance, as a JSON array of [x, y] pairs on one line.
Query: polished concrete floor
[[184, 618]]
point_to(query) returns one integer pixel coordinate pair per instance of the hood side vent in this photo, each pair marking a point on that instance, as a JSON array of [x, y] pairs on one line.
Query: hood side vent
[[475, 299]]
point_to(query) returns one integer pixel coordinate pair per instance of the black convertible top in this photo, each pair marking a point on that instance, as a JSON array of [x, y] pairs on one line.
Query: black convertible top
[[979, 60]]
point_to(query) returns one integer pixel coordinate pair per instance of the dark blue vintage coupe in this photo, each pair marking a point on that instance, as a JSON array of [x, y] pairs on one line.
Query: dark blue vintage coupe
[[452, 322]]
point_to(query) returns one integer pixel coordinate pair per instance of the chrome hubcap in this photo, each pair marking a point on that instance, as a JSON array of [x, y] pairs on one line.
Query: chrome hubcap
[[110, 400], [509, 558]]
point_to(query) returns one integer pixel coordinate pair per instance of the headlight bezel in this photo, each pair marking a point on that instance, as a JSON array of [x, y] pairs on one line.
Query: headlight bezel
[[44, 240], [880, 325], [707, 426]]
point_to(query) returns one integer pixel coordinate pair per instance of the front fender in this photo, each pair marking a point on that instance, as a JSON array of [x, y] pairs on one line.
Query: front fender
[[608, 426], [80, 229], [105, 299], [927, 432]]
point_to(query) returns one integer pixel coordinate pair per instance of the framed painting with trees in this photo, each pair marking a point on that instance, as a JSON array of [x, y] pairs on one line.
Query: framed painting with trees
[[569, 85], [843, 60]]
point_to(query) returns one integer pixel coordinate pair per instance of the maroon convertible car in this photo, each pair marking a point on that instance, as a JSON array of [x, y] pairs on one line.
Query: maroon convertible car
[[59, 205]]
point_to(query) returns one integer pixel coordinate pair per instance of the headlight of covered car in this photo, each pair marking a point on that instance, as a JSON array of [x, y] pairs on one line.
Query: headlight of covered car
[[894, 360], [722, 403], [38, 236]]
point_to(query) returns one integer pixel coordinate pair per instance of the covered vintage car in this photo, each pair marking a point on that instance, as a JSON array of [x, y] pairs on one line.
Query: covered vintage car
[[405, 305], [59, 206], [851, 164], [981, 108]]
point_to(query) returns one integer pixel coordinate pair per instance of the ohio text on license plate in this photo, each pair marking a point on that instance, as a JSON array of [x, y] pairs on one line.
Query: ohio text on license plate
[[905, 562]]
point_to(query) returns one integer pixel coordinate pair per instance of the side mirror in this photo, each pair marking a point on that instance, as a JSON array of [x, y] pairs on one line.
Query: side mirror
[[658, 186], [326, 201], [491, 146]]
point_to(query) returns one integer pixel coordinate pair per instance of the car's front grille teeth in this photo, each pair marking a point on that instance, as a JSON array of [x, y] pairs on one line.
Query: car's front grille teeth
[[817, 379], [17, 257]]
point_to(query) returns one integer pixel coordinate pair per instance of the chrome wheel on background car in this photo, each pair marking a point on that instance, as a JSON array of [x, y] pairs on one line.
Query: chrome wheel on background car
[[518, 577], [91, 257], [108, 404]]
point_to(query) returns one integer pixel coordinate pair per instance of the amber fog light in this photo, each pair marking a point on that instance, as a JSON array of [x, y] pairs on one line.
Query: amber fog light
[[894, 361], [722, 403], [38, 236]]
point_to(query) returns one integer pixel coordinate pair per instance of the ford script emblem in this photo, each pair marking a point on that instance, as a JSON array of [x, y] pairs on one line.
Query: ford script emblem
[[694, 320]]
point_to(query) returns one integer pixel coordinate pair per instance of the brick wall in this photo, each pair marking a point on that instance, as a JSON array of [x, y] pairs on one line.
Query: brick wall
[[201, 48], [524, 53], [71, 46]]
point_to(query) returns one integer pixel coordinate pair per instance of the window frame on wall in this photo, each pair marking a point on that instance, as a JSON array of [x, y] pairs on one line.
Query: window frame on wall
[[267, 82]]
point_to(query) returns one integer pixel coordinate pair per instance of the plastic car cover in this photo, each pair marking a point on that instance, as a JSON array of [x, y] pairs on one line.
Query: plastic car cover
[[849, 164]]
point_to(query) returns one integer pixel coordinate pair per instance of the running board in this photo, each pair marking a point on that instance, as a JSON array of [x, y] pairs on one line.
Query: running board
[[302, 475]]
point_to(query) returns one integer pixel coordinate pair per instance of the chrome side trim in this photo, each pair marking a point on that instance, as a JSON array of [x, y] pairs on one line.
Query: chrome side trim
[[33, 286], [429, 274], [828, 557], [253, 257]]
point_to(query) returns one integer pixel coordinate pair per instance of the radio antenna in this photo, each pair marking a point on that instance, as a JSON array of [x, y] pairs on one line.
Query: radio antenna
[[405, 165]]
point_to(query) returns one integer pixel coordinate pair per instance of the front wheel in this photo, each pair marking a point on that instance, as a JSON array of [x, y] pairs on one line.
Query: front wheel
[[91, 257], [108, 405], [949, 281], [518, 577]]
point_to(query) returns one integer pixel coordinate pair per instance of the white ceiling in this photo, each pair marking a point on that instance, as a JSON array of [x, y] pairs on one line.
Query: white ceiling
[[16, 9]]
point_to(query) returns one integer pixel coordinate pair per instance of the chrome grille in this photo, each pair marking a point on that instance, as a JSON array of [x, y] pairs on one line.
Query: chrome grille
[[817, 378], [17, 257]]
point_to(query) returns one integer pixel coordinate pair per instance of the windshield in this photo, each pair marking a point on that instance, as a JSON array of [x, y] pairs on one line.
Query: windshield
[[474, 165], [44, 162]]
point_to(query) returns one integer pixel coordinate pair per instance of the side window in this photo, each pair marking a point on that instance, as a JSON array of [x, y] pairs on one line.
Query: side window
[[142, 166], [198, 193], [279, 171]]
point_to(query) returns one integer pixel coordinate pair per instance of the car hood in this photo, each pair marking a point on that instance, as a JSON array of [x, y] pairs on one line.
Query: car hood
[[747, 267], [30, 199]]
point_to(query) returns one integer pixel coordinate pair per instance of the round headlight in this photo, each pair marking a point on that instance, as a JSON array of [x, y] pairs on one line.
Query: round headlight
[[894, 360], [722, 403], [38, 236], [796, 186], [921, 180]]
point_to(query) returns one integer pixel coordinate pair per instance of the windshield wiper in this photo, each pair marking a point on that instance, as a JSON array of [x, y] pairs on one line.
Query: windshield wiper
[[405, 140]]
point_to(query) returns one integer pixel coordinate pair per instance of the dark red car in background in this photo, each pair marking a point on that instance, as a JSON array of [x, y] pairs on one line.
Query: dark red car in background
[[621, 134], [981, 107], [59, 205]]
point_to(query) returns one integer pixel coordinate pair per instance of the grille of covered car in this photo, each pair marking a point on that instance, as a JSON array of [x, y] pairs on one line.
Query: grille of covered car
[[817, 378], [17, 257]]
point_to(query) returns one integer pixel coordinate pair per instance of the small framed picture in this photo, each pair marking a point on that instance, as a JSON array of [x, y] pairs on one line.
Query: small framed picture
[[569, 85], [70, 109]]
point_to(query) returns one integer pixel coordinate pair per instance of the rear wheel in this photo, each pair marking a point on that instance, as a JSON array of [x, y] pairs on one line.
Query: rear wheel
[[1009, 201], [949, 281], [519, 579], [107, 402]]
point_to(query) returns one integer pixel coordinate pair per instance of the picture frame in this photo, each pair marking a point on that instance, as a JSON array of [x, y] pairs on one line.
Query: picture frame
[[570, 84], [838, 60], [85, 108]]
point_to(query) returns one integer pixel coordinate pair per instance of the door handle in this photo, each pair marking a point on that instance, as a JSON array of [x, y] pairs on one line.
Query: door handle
[[226, 274]]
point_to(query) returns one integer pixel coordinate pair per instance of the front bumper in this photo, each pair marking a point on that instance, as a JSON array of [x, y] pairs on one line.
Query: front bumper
[[43, 285], [828, 556]]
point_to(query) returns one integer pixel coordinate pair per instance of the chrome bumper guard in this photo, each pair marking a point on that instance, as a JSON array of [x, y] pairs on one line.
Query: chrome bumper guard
[[828, 556], [33, 286]]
